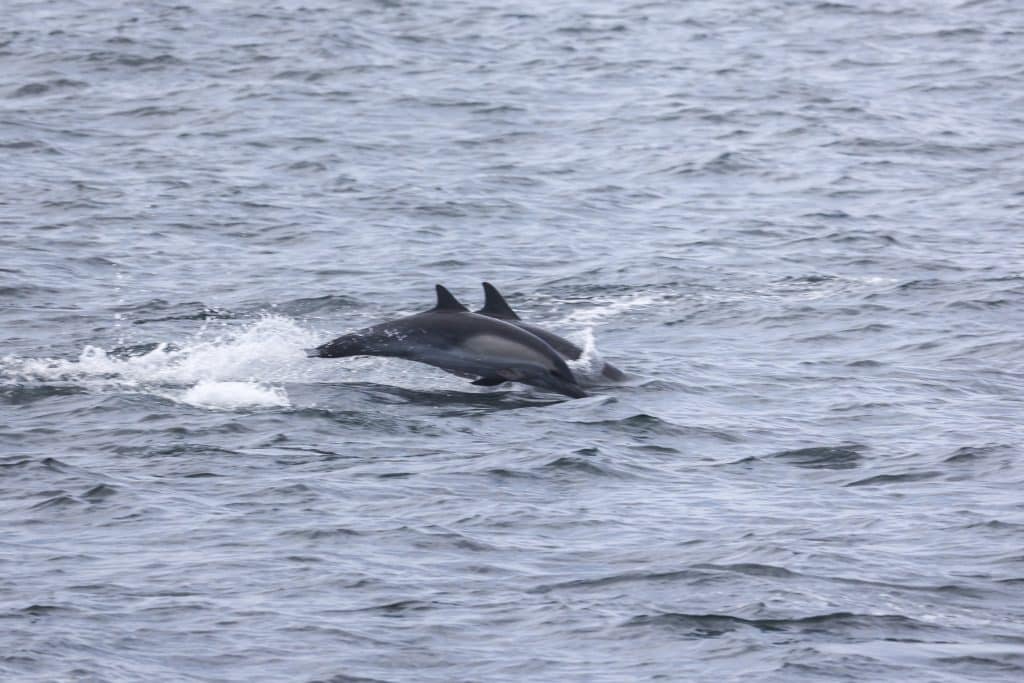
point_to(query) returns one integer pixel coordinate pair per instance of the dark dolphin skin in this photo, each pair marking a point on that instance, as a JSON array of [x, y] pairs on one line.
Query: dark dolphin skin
[[452, 338], [495, 306]]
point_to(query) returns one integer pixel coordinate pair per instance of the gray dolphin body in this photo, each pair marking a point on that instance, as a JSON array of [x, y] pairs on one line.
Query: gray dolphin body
[[463, 343], [496, 307]]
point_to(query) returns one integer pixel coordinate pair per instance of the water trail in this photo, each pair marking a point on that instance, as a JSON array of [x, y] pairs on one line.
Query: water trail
[[603, 308], [589, 366], [236, 368]]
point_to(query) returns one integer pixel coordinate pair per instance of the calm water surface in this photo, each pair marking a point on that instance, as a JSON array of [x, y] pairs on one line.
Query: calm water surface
[[797, 225]]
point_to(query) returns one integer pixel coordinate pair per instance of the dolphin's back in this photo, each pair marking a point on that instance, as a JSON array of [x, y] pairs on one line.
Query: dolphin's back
[[564, 347]]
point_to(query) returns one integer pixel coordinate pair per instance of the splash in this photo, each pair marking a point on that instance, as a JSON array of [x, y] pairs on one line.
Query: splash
[[234, 369], [589, 365]]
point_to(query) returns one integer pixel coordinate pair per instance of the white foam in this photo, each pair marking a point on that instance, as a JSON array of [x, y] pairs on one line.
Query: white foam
[[235, 395]]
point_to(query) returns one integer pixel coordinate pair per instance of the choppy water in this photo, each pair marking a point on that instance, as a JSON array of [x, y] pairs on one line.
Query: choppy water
[[797, 225]]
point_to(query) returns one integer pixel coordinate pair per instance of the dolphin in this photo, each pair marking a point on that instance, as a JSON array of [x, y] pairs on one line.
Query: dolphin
[[495, 306], [452, 338]]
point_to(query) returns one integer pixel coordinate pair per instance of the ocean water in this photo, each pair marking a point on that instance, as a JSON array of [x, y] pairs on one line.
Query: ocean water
[[798, 226]]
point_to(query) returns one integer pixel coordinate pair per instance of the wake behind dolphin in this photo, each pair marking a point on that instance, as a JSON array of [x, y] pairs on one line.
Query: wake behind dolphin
[[452, 338], [495, 306]]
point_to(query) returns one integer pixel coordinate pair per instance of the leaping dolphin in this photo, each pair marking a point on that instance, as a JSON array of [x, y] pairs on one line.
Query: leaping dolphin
[[452, 338], [495, 306]]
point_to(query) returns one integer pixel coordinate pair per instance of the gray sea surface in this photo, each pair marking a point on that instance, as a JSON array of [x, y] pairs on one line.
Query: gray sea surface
[[798, 226]]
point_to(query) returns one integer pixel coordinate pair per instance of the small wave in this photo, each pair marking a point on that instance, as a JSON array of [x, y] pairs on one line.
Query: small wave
[[582, 465], [643, 425], [822, 457], [975, 453], [689, 576], [159, 310], [99, 493], [328, 303], [904, 478], [58, 501], [39, 88], [752, 569], [837, 624]]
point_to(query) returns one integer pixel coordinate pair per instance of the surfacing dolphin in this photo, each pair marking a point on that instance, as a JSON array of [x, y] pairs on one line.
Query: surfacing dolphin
[[495, 306], [452, 338]]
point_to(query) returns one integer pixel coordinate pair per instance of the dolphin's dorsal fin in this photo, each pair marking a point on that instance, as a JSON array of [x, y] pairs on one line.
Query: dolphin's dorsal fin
[[495, 305], [447, 302]]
